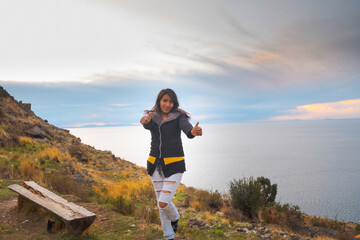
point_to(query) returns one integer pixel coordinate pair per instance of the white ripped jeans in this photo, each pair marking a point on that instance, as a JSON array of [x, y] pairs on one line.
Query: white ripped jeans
[[165, 189]]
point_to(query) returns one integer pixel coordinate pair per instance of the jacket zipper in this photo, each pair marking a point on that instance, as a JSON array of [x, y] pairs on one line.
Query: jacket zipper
[[160, 141]]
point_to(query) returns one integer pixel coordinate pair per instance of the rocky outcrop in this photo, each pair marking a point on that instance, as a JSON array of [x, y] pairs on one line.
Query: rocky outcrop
[[4, 93], [17, 119], [36, 132]]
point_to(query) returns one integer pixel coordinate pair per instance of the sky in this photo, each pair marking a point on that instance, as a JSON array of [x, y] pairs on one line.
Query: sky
[[87, 63]]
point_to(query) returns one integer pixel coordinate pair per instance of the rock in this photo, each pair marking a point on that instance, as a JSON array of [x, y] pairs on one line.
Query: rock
[[263, 230], [245, 230], [182, 212], [36, 132], [196, 223], [219, 214], [250, 227], [25, 106], [264, 236], [84, 159], [4, 93]]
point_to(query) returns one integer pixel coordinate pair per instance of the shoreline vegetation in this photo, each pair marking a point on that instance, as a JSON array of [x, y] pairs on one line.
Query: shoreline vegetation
[[121, 193]]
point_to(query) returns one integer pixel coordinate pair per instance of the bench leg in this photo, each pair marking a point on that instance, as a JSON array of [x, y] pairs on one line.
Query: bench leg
[[21, 202], [55, 226]]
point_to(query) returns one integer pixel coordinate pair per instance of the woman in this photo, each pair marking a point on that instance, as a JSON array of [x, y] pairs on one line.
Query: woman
[[166, 162]]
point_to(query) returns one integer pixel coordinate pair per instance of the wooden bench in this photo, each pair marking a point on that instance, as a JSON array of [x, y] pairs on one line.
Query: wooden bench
[[76, 218]]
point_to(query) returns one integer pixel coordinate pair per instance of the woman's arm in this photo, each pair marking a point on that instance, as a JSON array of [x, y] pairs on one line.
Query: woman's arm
[[188, 129], [146, 120]]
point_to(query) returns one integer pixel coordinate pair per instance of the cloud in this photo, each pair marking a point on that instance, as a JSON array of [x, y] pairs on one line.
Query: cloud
[[204, 117], [120, 104], [92, 115], [332, 110], [88, 124]]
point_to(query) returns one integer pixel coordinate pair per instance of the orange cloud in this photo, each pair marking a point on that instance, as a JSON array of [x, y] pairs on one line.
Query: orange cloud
[[332, 110], [264, 56]]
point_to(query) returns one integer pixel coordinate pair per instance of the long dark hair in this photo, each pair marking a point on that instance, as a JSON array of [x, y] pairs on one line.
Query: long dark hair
[[173, 97]]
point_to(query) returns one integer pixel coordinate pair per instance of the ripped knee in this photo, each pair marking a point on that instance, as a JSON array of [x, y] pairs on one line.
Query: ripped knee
[[162, 204]]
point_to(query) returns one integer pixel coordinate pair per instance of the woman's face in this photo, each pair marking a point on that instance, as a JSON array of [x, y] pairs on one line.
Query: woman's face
[[166, 104]]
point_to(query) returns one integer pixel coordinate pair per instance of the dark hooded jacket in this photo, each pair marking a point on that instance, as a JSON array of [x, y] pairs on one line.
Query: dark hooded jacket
[[166, 144]]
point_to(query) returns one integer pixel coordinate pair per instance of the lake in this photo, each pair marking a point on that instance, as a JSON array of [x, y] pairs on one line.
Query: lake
[[316, 164]]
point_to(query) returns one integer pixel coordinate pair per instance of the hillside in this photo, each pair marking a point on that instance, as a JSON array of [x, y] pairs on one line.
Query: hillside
[[121, 193]]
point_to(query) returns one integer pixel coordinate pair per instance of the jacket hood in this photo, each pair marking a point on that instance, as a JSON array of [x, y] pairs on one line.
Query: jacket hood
[[156, 117]]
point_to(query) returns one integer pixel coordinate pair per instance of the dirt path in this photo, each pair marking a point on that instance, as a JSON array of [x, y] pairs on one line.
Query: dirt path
[[18, 225]]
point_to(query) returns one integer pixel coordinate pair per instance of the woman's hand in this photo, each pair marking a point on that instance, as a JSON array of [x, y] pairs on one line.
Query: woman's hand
[[146, 119], [196, 131]]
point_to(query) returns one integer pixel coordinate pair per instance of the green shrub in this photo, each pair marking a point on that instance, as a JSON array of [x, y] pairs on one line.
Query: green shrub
[[249, 195], [268, 191], [123, 206], [245, 195]]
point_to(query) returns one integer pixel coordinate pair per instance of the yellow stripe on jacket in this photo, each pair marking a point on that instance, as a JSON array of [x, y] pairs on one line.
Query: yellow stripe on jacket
[[173, 159], [151, 159]]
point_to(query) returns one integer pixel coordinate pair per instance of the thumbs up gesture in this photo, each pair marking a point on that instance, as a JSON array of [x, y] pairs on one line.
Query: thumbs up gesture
[[196, 131], [146, 119]]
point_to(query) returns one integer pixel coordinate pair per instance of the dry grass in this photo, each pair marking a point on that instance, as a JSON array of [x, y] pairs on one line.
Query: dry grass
[[53, 154], [127, 189], [326, 223], [19, 114], [148, 214], [202, 200], [196, 205], [25, 140], [126, 174], [65, 185], [15, 108], [3, 132], [210, 219], [29, 171], [285, 215]]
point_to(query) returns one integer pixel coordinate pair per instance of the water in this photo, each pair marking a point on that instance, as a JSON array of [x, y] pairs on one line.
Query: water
[[315, 163]]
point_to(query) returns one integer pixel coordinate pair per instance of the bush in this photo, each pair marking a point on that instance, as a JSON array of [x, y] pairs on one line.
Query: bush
[[215, 201], [249, 195], [205, 200], [268, 191], [286, 215], [245, 195], [123, 206], [65, 185]]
